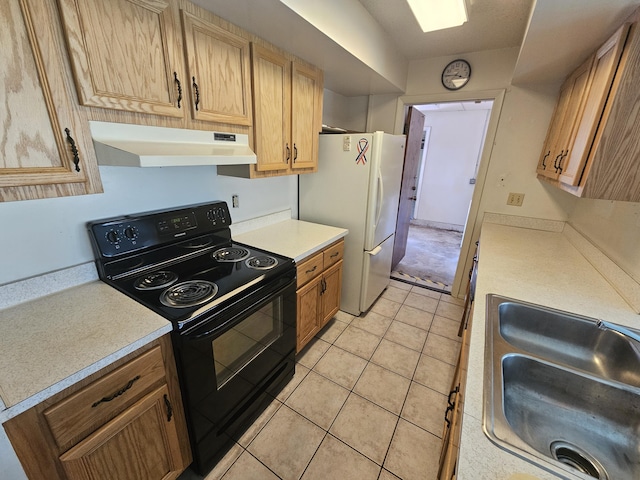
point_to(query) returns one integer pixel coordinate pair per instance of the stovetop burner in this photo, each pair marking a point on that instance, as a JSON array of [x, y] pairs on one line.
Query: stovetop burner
[[261, 262], [230, 254], [189, 294], [156, 280]]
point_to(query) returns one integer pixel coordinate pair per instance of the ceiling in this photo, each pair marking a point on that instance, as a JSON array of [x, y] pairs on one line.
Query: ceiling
[[478, 33], [365, 46]]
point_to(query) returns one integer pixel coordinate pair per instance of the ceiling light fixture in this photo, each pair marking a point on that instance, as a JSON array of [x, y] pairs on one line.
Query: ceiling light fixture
[[438, 14]]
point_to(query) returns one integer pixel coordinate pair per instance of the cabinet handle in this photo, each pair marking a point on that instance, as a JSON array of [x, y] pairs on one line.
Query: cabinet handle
[[169, 407], [555, 162], [312, 270], [197, 91], [562, 157], [544, 163], [288, 153], [295, 153], [175, 75], [118, 393], [446, 418], [323, 283], [334, 255], [451, 394], [74, 149]]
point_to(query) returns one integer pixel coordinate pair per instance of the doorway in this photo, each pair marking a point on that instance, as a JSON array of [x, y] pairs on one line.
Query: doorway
[[452, 144]]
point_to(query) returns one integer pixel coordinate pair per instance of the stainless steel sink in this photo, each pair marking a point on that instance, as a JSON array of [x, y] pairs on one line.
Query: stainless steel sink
[[561, 392]]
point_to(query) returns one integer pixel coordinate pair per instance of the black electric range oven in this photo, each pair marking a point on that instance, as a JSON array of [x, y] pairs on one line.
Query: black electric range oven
[[232, 306]]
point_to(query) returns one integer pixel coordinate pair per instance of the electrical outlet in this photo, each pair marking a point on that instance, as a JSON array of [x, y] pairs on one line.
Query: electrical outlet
[[235, 201], [515, 199], [346, 143]]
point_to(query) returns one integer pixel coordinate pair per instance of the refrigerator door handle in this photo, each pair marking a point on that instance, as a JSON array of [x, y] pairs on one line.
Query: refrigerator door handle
[[380, 197], [375, 251]]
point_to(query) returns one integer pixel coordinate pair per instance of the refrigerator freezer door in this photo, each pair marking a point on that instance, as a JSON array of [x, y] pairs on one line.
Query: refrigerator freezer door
[[376, 272], [384, 187]]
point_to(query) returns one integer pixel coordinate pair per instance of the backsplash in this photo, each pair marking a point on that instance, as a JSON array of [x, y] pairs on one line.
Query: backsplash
[[50, 235]]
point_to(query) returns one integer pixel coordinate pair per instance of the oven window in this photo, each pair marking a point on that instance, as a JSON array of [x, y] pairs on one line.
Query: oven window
[[235, 348]]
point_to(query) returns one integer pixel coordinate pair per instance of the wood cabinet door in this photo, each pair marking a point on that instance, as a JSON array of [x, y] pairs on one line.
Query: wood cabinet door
[[141, 443], [579, 81], [562, 128], [272, 108], [126, 54], [603, 70], [330, 299], [218, 72], [45, 147], [309, 309], [306, 115]]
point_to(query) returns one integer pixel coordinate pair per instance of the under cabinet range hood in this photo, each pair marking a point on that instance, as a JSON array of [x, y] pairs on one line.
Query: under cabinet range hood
[[127, 145]]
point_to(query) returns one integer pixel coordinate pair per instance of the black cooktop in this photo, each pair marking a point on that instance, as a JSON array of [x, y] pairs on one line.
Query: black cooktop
[[182, 263]]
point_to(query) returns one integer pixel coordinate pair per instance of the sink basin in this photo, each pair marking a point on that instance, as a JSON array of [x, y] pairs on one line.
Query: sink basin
[[569, 339], [561, 392]]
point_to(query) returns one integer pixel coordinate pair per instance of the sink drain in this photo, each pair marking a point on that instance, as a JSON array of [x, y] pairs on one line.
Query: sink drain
[[577, 458]]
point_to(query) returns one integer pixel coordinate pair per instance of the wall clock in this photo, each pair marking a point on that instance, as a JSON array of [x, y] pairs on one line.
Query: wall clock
[[456, 75]]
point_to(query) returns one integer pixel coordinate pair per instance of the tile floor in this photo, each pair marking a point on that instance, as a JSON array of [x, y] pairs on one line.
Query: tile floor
[[367, 400]]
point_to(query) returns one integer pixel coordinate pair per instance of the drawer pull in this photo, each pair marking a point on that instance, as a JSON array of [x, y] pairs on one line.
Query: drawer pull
[[451, 394], [335, 254], [169, 407], [312, 270], [118, 393]]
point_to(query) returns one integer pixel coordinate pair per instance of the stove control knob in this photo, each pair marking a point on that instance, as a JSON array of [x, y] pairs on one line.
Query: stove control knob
[[131, 233], [113, 237]]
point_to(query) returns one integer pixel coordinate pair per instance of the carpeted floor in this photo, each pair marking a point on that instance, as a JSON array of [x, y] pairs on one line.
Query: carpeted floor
[[431, 258]]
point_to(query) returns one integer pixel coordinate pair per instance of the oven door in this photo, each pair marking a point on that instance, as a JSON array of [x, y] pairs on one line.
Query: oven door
[[233, 365]]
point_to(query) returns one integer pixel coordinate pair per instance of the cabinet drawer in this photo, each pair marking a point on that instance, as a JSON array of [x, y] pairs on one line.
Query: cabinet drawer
[[100, 401], [333, 254], [309, 269]]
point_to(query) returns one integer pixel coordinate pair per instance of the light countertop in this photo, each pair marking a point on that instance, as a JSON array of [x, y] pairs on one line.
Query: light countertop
[[52, 342], [535, 266], [292, 238]]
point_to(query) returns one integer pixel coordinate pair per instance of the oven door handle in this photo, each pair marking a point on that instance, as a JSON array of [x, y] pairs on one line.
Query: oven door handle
[[237, 317]]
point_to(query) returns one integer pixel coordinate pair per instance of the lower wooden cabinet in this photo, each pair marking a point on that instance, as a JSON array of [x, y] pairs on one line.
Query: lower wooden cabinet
[[318, 295], [126, 421], [455, 405]]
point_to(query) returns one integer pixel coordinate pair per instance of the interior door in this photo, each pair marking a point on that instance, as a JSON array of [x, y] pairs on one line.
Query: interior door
[[413, 127]]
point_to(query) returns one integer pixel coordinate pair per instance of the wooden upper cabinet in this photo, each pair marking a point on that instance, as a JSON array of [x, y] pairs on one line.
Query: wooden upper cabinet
[[562, 128], [126, 54], [603, 157], [550, 151], [603, 70], [218, 72], [287, 99], [272, 108], [45, 146], [306, 115]]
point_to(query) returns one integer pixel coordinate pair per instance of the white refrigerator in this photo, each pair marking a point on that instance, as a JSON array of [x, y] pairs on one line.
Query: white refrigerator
[[357, 187]]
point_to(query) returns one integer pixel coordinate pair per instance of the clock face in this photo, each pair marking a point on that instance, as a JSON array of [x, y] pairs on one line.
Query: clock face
[[456, 74]]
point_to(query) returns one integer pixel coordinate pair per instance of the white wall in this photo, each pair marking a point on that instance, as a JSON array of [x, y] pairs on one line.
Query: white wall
[[40, 236], [614, 227], [349, 113], [510, 161], [452, 153]]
